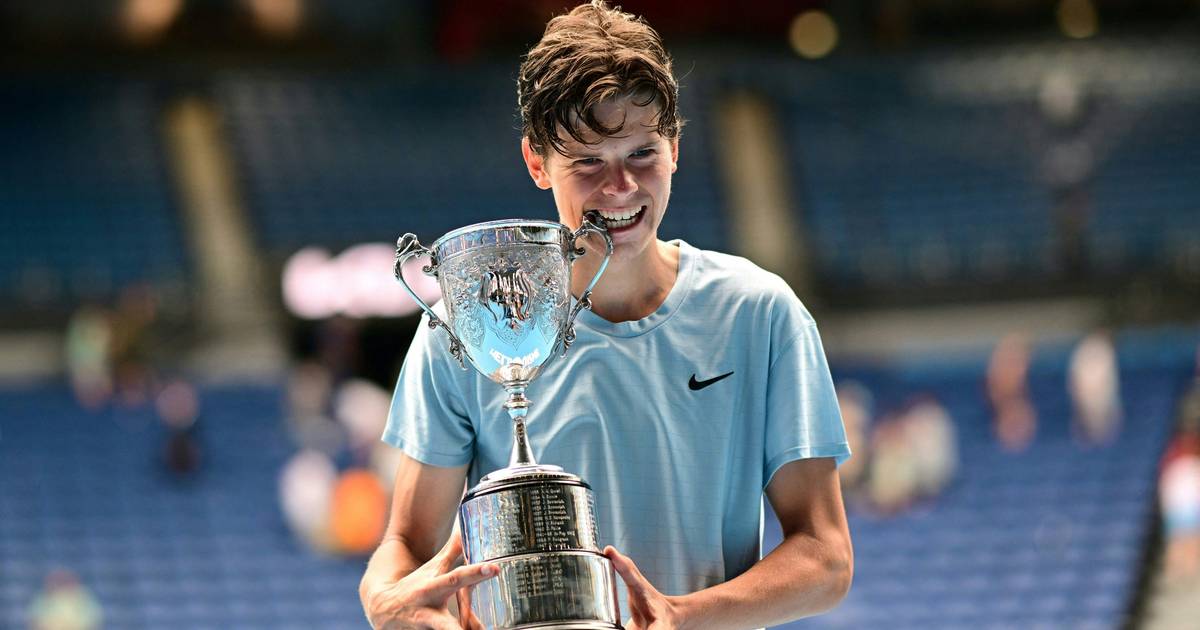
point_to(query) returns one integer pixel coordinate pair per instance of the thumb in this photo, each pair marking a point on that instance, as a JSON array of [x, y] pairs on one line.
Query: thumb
[[628, 571], [451, 554]]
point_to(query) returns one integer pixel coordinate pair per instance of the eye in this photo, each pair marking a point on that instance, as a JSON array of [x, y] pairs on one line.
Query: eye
[[589, 161], [641, 153]]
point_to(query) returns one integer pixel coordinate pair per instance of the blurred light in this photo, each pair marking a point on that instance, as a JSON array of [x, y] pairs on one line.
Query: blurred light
[[279, 18], [307, 284], [145, 21], [813, 34], [358, 283], [358, 512], [362, 407], [305, 491], [178, 405], [1077, 18], [1060, 97]]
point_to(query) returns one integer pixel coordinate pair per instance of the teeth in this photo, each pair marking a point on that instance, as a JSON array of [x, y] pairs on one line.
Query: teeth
[[617, 218], [618, 214]]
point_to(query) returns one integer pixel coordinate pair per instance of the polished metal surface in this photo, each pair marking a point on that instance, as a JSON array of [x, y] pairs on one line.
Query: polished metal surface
[[508, 231], [566, 589], [538, 524], [528, 517], [506, 288], [507, 305]]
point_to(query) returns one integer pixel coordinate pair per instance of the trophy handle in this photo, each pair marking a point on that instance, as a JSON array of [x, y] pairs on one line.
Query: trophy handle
[[407, 247], [593, 223]]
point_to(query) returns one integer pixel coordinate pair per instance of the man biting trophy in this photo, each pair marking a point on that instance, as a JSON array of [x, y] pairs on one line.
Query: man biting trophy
[[695, 383]]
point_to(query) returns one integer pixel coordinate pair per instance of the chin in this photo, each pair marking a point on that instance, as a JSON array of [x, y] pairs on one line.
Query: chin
[[626, 249]]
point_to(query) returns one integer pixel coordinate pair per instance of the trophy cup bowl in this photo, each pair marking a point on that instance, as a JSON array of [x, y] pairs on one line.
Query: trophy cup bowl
[[506, 289]]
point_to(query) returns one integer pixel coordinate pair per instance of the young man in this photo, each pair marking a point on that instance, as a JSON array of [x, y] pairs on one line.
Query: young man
[[697, 381]]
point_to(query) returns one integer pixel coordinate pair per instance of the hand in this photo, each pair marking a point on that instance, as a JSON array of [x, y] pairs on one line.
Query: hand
[[419, 600], [650, 609]]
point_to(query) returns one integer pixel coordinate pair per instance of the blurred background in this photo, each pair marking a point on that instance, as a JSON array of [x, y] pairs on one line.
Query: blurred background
[[992, 209]]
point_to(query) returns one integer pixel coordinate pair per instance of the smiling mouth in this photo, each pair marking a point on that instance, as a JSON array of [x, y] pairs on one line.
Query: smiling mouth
[[616, 219]]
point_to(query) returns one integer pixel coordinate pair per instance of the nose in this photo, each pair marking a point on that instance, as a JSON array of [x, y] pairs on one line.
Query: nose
[[618, 181]]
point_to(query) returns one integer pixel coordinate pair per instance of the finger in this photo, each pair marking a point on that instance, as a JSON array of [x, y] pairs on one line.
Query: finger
[[636, 585], [466, 616], [628, 571], [443, 587], [463, 596], [464, 607], [451, 555]]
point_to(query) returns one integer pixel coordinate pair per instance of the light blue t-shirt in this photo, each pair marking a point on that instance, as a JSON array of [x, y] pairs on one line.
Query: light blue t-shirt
[[678, 464]]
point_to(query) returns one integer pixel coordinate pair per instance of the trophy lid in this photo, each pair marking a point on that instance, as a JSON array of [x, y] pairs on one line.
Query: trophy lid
[[522, 475]]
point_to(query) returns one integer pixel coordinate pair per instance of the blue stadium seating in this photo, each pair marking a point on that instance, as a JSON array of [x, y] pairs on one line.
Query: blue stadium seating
[[901, 188], [366, 156], [86, 491], [1050, 538], [1146, 195], [898, 189], [85, 203]]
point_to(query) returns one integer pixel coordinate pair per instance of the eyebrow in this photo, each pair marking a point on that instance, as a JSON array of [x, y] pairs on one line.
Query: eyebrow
[[575, 155]]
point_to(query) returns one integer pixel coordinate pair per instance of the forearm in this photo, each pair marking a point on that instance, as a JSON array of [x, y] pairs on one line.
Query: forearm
[[804, 576]]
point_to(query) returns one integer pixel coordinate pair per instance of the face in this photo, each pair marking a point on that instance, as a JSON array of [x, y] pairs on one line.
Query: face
[[627, 177]]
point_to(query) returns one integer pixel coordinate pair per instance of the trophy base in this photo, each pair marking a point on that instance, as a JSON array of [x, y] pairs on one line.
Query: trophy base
[[537, 524], [571, 590]]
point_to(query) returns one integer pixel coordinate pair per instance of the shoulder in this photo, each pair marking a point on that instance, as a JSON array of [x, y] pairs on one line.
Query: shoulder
[[431, 347], [740, 282]]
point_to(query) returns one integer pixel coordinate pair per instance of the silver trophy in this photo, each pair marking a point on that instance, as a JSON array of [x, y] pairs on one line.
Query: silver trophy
[[506, 287]]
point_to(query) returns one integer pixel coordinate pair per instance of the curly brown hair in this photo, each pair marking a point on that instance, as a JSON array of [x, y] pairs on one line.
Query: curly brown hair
[[588, 56]]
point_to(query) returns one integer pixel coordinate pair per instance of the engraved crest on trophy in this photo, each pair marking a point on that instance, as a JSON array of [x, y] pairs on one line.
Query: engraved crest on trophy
[[506, 289]]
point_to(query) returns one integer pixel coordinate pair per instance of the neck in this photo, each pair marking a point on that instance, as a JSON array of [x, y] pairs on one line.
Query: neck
[[631, 288]]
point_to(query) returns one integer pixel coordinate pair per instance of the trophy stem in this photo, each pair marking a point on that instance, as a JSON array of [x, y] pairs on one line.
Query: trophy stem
[[518, 407]]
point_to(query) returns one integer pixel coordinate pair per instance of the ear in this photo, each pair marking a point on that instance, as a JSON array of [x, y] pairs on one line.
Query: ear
[[536, 165], [674, 154]]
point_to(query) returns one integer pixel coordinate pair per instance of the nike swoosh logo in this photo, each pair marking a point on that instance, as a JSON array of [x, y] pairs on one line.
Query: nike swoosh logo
[[695, 385]]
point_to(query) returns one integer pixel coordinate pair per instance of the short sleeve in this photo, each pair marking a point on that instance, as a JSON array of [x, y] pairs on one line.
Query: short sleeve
[[428, 420], [803, 418]]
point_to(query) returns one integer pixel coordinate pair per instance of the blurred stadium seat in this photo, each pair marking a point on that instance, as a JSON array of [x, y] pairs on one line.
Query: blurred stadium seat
[[87, 491], [85, 199], [358, 157], [1053, 537], [906, 184], [1147, 197], [916, 172]]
